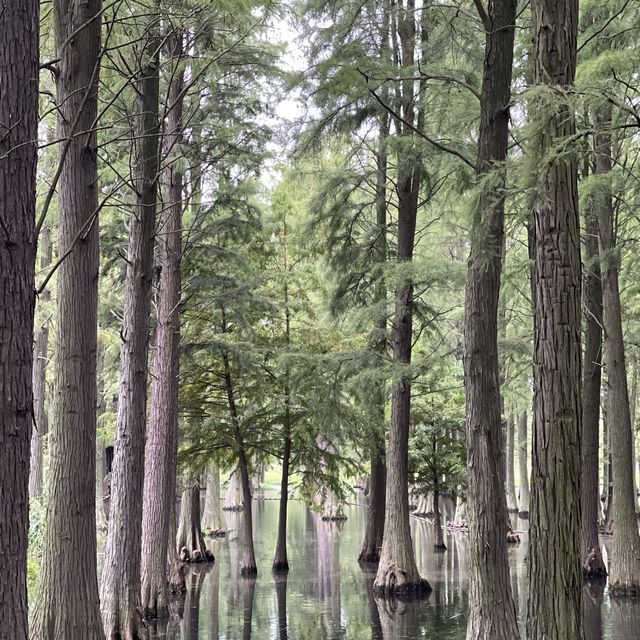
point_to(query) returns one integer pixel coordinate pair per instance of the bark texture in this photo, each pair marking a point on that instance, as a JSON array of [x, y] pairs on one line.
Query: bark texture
[[492, 614], [555, 575], [624, 567], [120, 587], [67, 606], [592, 562], [372, 543], [40, 361], [190, 525], [523, 467], [160, 453], [249, 567], [18, 153], [397, 571]]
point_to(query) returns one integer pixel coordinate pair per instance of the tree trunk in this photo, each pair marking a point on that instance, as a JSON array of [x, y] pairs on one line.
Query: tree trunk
[[212, 516], [624, 567], [523, 466], [555, 575], [121, 583], [397, 570], [512, 501], [190, 527], [592, 562], [40, 361], [492, 613], [233, 496], [372, 544], [249, 567], [439, 537], [67, 606], [160, 454], [19, 26], [633, 402], [280, 561]]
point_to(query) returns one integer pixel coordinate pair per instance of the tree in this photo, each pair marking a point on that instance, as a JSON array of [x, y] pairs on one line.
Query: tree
[[592, 563], [67, 604], [40, 361], [555, 575], [523, 466], [437, 454], [120, 587], [161, 449], [18, 154], [624, 566], [397, 570], [492, 611]]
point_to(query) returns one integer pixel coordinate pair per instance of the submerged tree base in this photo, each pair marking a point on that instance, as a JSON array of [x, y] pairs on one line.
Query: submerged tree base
[[396, 585], [281, 566], [249, 572], [593, 568]]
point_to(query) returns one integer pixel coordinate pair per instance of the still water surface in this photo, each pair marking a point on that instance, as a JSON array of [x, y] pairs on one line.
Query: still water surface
[[326, 595]]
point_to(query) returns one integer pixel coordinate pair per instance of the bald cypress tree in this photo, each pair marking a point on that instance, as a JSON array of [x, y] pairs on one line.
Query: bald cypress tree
[[18, 154], [555, 576]]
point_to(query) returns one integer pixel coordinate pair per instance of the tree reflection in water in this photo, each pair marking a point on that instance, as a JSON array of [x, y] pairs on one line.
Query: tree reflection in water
[[327, 594]]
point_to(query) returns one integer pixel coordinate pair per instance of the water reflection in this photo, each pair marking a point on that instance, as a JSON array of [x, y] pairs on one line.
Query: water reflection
[[327, 596]]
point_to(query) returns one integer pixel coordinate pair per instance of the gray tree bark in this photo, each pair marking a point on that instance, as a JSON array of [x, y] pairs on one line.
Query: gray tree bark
[[160, 454], [19, 26], [67, 605], [624, 566], [555, 575], [121, 583], [397, 569], [40, 362], [492, 614], [592, 561]]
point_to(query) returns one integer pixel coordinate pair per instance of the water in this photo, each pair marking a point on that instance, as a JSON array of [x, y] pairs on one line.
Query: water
[[326, 595]]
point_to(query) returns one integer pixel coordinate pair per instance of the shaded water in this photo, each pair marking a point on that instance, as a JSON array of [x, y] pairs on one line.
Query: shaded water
[[326, 595]]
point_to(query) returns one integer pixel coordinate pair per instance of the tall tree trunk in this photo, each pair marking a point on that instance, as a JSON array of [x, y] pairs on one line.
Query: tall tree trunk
[[492, 613], [372, 543], [523, 466], [592, 562], [67, 606], [19, 26], [160, 454], [633, 402], [512, 501], [397, 570], [439, 537], [121, 583], [40, 361], [624, 567], [190, 525], [280, 560], [212, 514], [249, 567], [555, 575]]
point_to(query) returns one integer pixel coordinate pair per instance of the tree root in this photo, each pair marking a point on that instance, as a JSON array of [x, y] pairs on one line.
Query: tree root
[[396, 585]]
